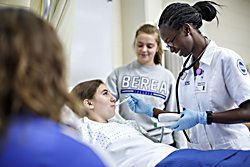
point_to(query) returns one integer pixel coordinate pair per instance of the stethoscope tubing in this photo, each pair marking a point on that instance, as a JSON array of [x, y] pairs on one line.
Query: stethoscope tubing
[[177, 85]]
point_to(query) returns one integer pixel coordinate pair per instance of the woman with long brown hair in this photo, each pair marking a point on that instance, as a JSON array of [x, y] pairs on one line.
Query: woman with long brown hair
[[32, 93]]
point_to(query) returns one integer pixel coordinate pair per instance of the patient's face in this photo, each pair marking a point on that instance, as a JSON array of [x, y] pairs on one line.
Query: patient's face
[[104, 103]]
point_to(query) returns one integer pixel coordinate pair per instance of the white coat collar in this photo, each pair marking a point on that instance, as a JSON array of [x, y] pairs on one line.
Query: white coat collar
[[208, 55]]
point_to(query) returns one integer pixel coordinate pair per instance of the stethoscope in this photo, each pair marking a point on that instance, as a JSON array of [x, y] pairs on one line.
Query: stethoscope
[[184, 68]]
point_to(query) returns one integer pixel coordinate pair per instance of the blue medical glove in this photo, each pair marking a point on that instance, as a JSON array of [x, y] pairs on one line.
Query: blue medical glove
[[189, 119], [140, 107]]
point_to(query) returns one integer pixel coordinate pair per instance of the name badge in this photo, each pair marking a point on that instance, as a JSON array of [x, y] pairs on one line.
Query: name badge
[[183, 75], [200, 87]]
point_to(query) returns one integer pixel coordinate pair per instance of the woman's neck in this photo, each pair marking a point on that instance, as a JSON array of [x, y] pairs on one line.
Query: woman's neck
[[200, 48], [148, 64], [200, 53], [97, 118]]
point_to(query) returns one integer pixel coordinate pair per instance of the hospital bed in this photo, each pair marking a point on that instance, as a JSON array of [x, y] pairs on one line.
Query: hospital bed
[[188, 157]]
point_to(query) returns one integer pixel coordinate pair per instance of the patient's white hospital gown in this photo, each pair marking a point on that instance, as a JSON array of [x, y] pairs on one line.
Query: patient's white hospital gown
[[125, 143]]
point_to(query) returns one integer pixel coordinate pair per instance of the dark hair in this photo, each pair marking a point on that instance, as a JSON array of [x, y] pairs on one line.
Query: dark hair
[[32, 67], [87, 89], [150, 29], [176, 15]]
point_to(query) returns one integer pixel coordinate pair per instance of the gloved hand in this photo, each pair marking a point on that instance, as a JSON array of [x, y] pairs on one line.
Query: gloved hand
[[140, 107], [189, 119]]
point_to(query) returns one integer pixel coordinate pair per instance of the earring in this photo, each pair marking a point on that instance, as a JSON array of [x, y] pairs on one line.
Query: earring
[[91, 106]]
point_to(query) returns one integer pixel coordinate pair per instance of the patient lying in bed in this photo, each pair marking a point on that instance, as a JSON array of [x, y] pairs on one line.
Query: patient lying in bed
[[124, 141]]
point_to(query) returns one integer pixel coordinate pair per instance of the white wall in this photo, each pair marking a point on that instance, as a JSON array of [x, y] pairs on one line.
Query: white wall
[[91, 52], [132, 16], [15, 3], [233, 31], [116, 34]]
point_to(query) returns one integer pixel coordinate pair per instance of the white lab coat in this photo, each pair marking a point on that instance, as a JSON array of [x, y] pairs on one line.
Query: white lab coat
[[223, 85]]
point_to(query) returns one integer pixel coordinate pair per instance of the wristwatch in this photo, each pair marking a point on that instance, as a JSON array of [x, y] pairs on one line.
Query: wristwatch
[[209, 117]]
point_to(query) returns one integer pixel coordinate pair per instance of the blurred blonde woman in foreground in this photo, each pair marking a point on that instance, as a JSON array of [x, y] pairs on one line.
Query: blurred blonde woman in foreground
[[32, 93]]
